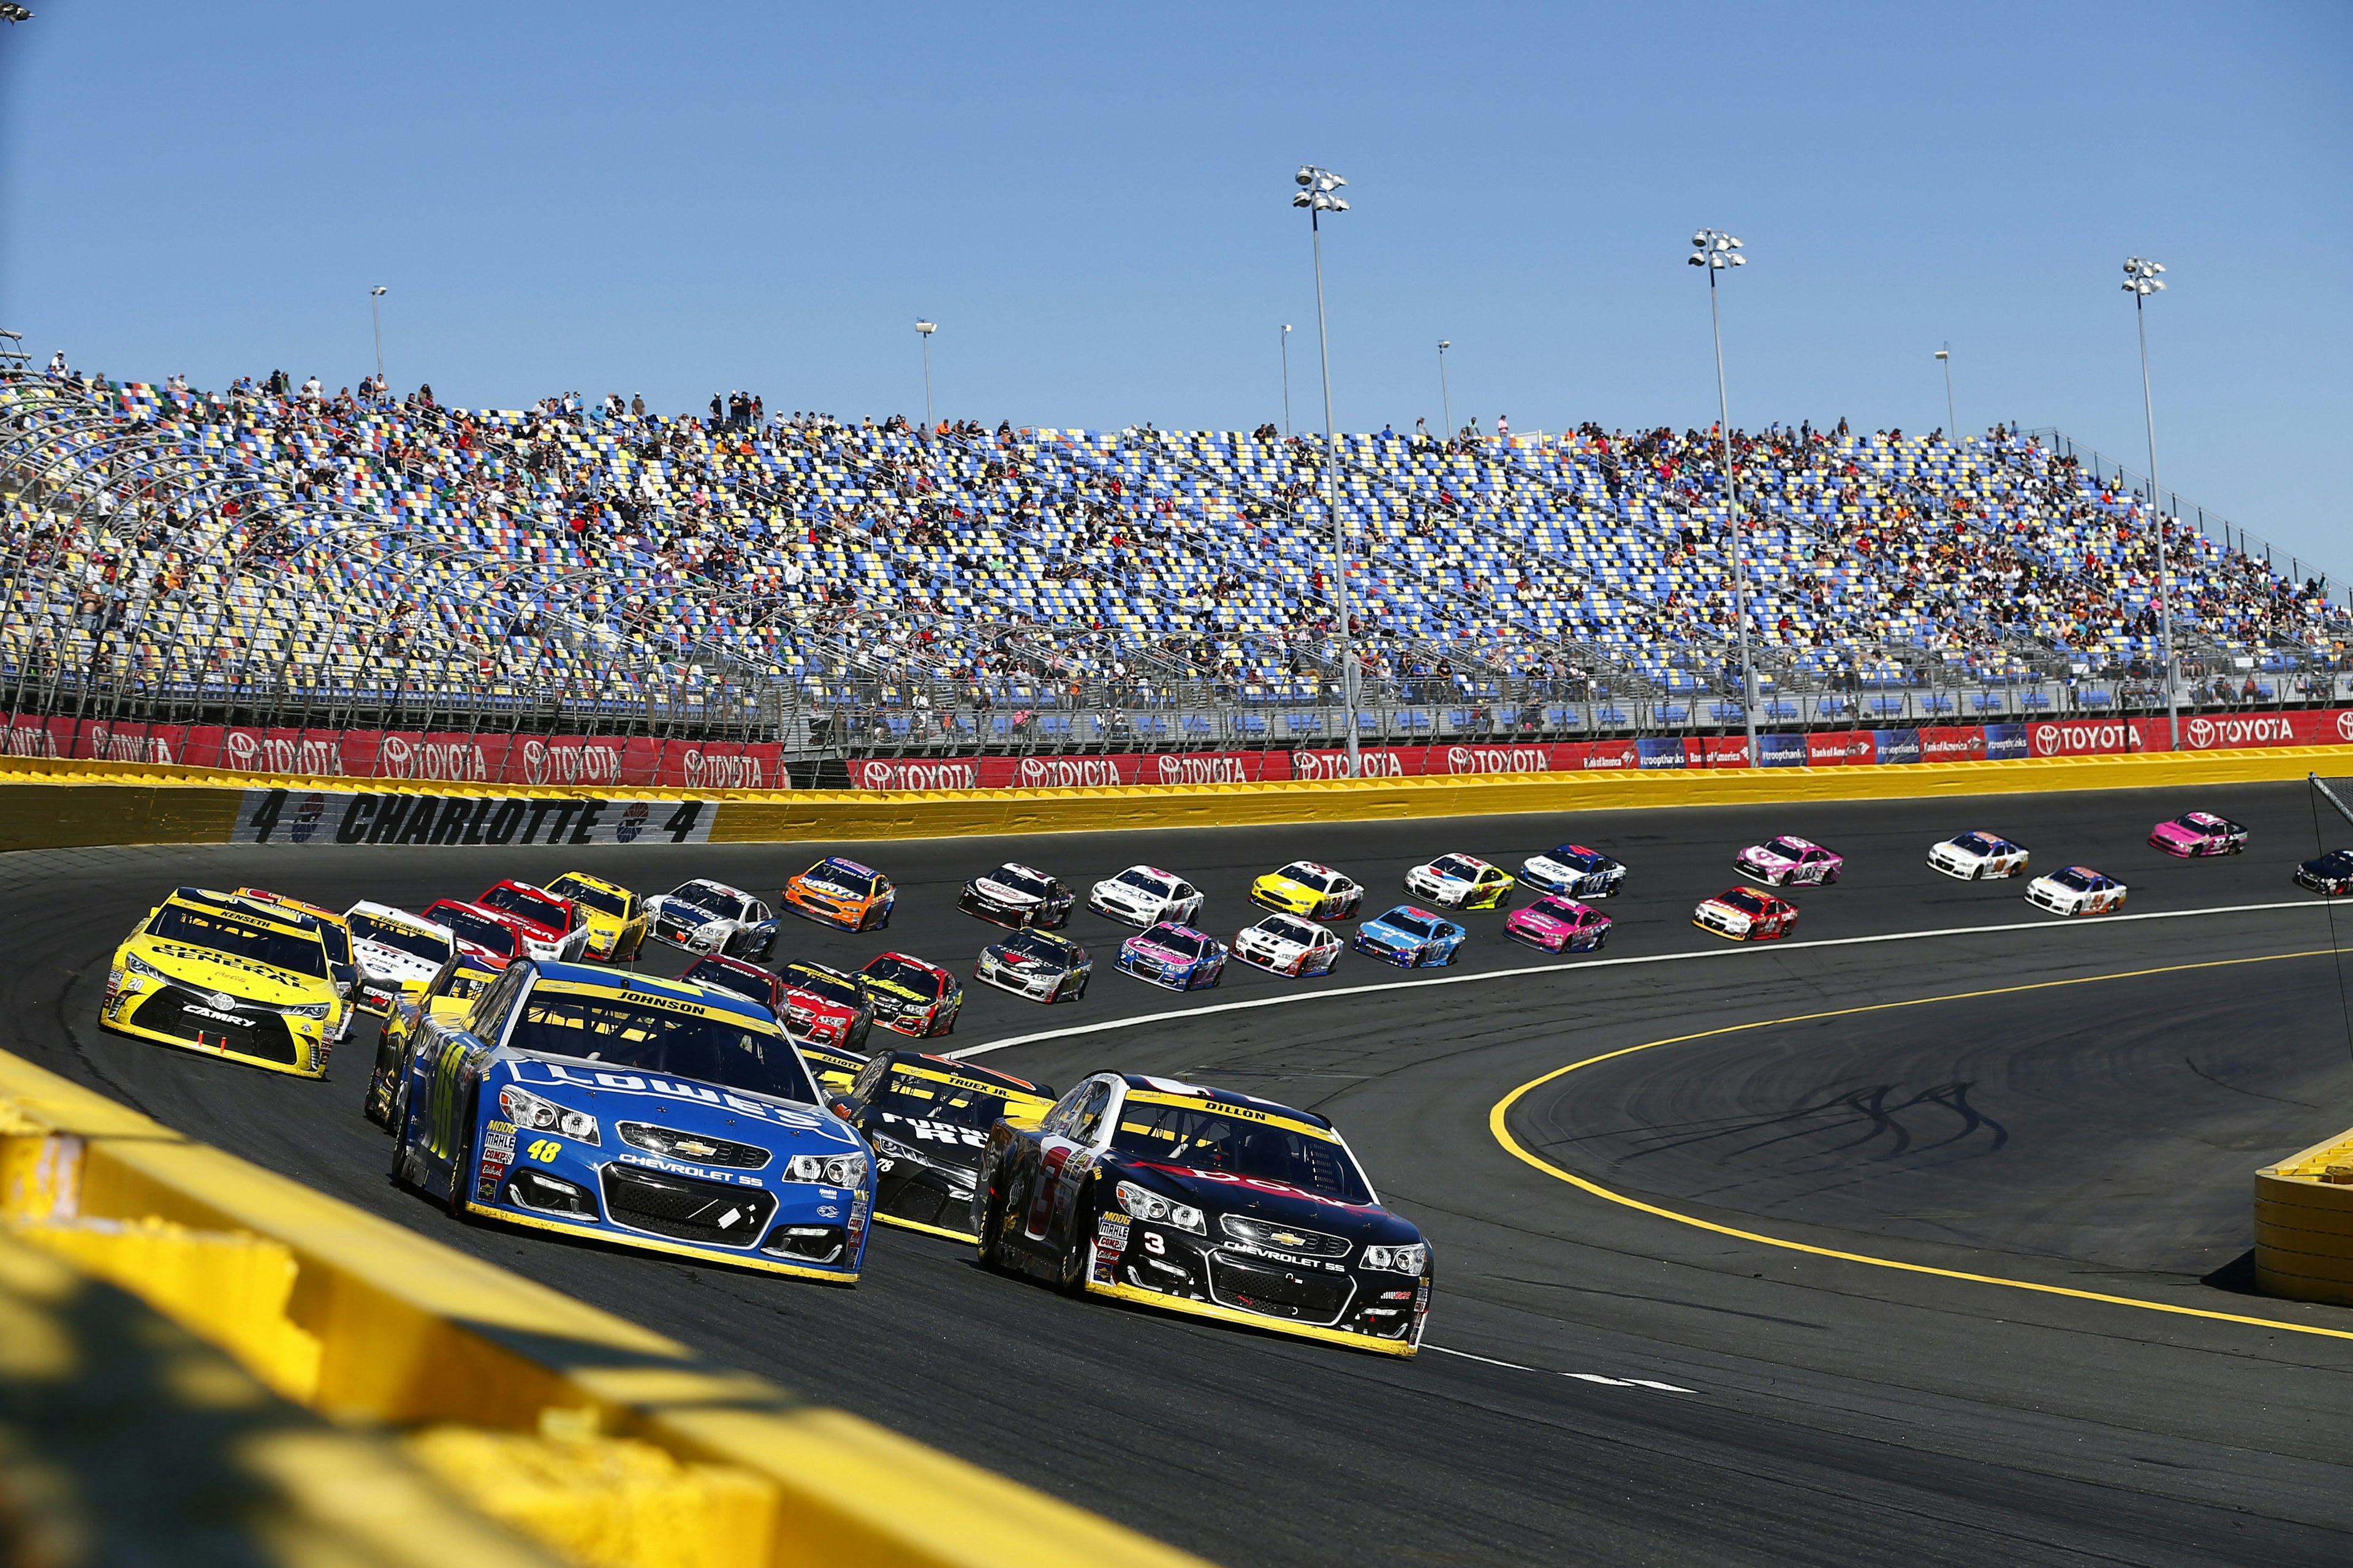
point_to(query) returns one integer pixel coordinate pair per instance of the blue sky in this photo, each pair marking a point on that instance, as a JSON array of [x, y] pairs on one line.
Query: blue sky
[[1091, 203]]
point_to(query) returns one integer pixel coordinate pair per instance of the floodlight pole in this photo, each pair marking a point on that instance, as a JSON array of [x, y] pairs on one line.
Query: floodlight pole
[[2140, 278], [376, 315], [1286, 378], [924, 329], [1713, 259], [1952, 420], [1320, 184], [1445, 402]]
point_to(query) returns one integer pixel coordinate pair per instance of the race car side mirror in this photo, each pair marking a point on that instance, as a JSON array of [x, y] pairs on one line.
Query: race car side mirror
[[841, 1105]]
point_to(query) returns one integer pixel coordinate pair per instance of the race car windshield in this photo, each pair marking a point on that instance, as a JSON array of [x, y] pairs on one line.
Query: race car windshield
[[1746, 903], [406, 939], [818, 982], [1139, 879], [300, 953], [612, 1031], [1788, 848], [894, 971], [1577, 860], [920, 1099], [709, 900], [707, 972], [1020, 881], [597, 899], [2080, 882], [1307, 875], [2199, 822], [1455, 865], [486, 935], [1176, 940], [1558, 909], [858, 882], [1200, 1138], [1040, 946], [1979, 844], [1410, 924], [1289, 931], [538, 910]]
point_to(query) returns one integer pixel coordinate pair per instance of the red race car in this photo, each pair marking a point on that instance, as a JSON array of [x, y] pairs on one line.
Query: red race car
[[1744, 914], [557, 927], [827, 1006], [494, 936]]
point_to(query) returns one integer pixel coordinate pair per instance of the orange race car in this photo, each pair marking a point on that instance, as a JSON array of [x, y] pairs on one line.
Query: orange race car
[[842, 893]]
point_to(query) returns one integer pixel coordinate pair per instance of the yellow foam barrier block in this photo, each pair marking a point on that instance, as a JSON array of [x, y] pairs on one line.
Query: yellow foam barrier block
[[66, 815], [2304, 1223], [412, 1332]]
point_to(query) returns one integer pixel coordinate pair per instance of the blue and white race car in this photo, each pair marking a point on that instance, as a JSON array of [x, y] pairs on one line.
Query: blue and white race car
[[1573, 871], [1176, 956], [622, 1108], [1410, 938]]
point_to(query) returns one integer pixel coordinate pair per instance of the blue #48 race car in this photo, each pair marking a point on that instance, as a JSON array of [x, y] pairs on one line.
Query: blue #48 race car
[[620, 1108], [1206, 1202]]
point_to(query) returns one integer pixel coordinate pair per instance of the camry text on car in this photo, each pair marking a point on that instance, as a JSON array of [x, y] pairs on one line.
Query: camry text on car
[[213, 973]]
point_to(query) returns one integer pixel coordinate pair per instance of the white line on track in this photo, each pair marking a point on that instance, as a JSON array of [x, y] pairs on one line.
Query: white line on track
[[1729, 950], [1579, 1376]]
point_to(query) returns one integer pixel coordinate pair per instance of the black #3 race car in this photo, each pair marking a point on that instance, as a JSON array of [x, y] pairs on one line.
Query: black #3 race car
[[1206, 1202], [928, 1119]]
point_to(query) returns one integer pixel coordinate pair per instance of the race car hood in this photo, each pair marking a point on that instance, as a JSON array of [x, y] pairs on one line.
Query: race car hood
[[1128, 898], [1443, 879], [1381, 931], [1003, 953], [1260, 939], [941, 1144], [998, 892], [202, 969], [1760, 854], [902, 995], [681, 910], [1538, 919], [1216, 1193], [1731, 912], [1283, 887], [392, 963], [2336, 863], [2174, 833], [824, 888], [1153, 951], [680, 1105]]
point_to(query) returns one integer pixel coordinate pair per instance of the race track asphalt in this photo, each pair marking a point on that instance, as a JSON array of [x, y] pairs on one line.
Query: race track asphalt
[[2097, 1136]]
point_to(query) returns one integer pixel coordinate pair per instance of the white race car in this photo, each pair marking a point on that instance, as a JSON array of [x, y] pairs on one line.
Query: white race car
[[2076, 890], [712, 916], [1288, 946], [1144, 896], [1974, 856], [1462, 882], [398, 953]]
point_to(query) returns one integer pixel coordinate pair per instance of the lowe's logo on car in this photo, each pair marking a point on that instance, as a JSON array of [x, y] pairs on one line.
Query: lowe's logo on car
[[264, 817], [674, 1089]]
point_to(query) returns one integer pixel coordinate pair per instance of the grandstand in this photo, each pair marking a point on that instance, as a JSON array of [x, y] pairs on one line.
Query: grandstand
[[261, 557]]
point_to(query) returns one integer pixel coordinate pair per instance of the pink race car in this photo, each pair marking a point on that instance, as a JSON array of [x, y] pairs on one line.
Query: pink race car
[[2195, 833], [1780, 862], [1560, 925]]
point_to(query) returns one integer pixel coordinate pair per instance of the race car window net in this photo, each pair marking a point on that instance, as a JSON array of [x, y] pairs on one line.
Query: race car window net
[[405, 938], [833, 871], [817, 982], [899, 971], [1184, 943], [481, 932], [539, 911], [298, 953], [731, 1052], [1205, 1137], [1455, 865], [1019, 881], [1135, 878], [597, 898], [962, 1103], [707, 972]]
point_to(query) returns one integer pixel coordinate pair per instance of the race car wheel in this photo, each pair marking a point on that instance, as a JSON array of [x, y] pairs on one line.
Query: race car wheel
[[399, 1120], [1601, 939], [1070, 1269], [1828, 877], [461, 1162], [989, 1249]]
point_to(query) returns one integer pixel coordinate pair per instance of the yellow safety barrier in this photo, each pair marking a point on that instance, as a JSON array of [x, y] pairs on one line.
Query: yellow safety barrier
[[548, 1397], [2304, 1224], [53, 804]]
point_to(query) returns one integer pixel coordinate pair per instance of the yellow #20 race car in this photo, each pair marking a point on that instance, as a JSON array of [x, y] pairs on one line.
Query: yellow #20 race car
[[616, 917], [448, 996], [213, 973]]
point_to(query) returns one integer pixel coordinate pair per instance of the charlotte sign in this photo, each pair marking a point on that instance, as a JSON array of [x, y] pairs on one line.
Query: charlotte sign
[[333, 817]]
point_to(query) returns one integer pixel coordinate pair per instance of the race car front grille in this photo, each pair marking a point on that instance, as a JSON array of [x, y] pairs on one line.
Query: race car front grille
[[924, 1197], [808, 1243], [1278, 1292], [262, 1036], [1283, 1238], [713, 1213], [693, 1147]]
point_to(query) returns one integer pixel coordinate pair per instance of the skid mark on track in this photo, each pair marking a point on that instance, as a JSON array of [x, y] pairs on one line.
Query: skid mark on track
[[1497, 1125], [1602, 1378]]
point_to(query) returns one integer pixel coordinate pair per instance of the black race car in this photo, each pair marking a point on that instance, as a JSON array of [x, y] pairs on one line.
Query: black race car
[[928, 1119], [2330, 875], [1018, 895], [1203, 1201]]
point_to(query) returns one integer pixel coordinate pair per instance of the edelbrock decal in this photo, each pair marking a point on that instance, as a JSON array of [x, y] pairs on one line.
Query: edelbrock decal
[[335, 816]]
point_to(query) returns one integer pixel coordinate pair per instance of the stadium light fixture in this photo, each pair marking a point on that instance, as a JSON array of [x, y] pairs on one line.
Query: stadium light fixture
[[1952, 420], [1445, 402], [2142, 278], [376, 315], [1318, 193], [924, 329], [1717, 252]]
